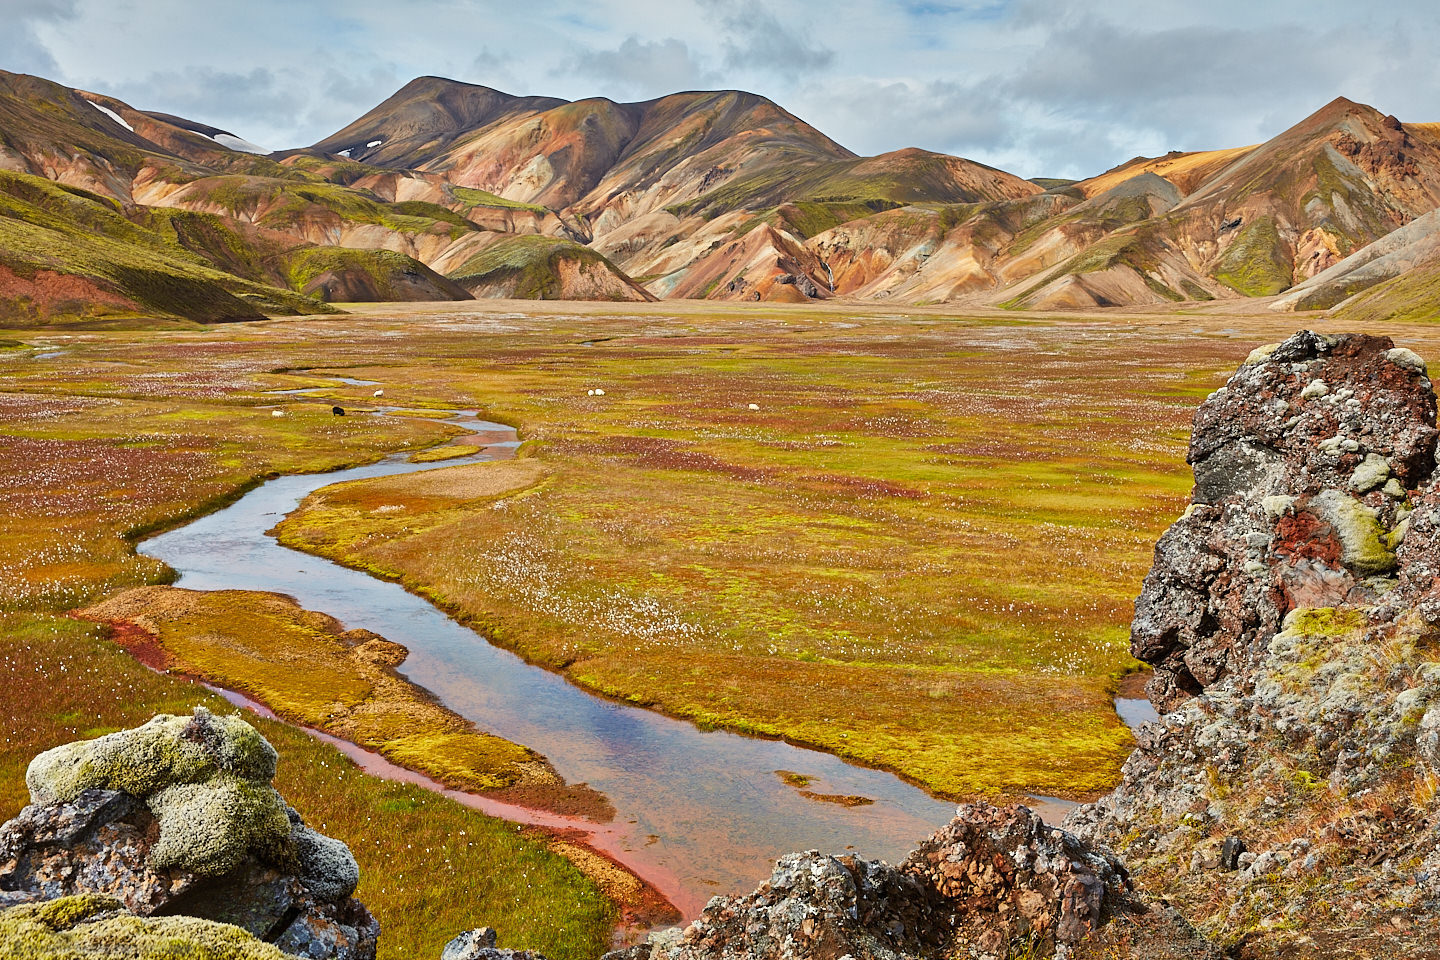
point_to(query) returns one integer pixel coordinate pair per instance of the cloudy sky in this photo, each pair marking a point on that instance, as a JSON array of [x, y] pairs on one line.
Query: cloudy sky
[[1038, 87]]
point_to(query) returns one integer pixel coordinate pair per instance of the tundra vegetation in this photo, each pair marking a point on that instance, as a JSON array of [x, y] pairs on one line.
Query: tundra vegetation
[[917, 549], [99, 448]]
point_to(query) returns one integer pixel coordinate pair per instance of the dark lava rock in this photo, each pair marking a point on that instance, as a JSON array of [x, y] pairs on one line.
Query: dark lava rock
[[1230, 852], [1304, 467]]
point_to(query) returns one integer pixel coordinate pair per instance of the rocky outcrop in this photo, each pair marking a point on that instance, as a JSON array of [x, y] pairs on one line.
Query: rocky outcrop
[[479, 944], [1305, 464], [993, 881], [178, 817], [1287, 802]]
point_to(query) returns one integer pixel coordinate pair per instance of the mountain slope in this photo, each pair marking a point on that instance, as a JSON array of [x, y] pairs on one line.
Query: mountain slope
[[1412, 246], [1251, 221], [725, 195], [69, 256]]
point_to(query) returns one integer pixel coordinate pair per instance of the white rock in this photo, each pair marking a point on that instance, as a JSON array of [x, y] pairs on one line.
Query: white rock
[[1260, 354], [1317, 388], [1277, 506]]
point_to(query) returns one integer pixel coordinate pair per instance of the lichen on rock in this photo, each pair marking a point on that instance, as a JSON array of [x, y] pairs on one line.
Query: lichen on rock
[[165, 751], [178, 817], [1305, 463], [205, 778], [95, 926], [1288, 801]]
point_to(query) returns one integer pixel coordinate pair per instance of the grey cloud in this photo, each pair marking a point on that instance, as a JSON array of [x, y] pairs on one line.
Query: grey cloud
[[642, 68], [876, 116], [22, 52], [39, 9], [21, 49], [254, 104], [755, 40], [493, 68]]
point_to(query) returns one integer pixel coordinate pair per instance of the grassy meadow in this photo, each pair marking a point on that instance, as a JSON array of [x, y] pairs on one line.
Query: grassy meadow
[[909, 538], [116, 437], [917, 551]]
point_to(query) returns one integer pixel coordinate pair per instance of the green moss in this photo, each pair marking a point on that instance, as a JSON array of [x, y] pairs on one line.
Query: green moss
[[1414, 296], [1362, 537], [93, 926], [281, 204], [205, 778], [1255, 263], [64, 913], [210, 828], [528, 264], [126, 269], [809, 218], [917, 178], [473, 197], [141, 761], [1325, 621], [383, 271]]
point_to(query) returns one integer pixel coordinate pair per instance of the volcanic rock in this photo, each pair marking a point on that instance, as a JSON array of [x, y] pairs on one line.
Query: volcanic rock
[[1304, 467], [178, 817], [993, 880], [1297, 602]]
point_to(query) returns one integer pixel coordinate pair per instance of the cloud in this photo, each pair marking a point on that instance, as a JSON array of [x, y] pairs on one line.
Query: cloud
[[21, 48], [642, 67], [195, 92], [876, 116], [1031, 85], [753, 39]]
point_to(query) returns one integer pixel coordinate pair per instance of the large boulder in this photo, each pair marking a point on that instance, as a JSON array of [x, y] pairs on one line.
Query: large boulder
[[178, 817], [1306, 467], [1288, 799]]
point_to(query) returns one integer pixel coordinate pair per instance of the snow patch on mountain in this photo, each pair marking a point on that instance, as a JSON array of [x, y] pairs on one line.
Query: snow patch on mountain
[[113, 115], [233, 142]]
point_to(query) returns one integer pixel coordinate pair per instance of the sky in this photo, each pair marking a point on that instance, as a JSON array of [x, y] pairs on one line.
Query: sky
[[1059, 89]]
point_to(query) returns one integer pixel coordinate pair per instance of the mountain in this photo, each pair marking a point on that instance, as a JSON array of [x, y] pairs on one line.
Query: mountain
[[1249, 221], [670, 189], [452, 190]]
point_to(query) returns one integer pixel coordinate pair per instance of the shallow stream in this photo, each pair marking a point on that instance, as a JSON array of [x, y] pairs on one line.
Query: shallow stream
[[699, 813]]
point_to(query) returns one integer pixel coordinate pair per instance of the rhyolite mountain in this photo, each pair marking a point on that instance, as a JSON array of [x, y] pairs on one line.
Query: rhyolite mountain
[[449, 190]]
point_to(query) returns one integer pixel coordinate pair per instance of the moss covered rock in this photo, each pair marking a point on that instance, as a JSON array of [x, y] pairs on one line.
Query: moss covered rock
[[205, 778], [178, 817], [97, 926]]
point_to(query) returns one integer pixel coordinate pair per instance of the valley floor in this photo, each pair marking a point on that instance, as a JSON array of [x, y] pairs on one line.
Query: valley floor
[[907, 537]]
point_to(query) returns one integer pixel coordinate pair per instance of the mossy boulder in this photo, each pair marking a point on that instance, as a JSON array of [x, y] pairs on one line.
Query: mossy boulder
[[178, 816], [205, 778]]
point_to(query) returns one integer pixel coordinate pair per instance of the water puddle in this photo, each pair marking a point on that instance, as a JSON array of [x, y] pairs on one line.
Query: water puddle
[[1136, 711]]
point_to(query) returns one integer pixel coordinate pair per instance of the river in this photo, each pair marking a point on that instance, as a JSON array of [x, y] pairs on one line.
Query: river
[[698, 812]]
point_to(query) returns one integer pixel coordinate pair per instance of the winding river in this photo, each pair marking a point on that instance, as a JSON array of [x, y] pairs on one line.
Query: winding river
[[699, 812]]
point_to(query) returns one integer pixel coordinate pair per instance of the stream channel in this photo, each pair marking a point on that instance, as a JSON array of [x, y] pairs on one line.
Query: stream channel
[[698, 812]]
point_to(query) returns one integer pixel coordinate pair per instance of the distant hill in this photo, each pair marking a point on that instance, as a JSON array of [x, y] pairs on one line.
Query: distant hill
[[451, 190]]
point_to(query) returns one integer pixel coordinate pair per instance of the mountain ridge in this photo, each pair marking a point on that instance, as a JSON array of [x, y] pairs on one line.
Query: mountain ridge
[[671, 191]]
